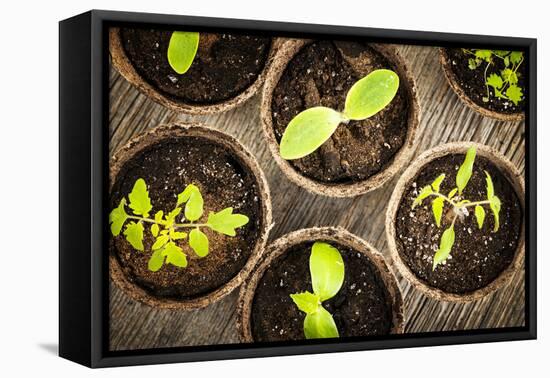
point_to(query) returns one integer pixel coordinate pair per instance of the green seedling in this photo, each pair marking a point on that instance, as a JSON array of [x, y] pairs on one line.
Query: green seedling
[[459, 205], [311, 128], [504, 83], [327, 276], [165, 228], [182, 49]]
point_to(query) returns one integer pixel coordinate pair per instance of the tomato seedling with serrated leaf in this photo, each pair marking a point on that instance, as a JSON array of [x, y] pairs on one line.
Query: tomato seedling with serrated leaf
[[165, 227], [311, 128], [503, 83], [458, 204], [327, 276]]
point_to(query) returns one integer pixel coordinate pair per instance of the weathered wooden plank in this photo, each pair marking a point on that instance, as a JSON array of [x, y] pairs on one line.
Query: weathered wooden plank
[[444, 118]]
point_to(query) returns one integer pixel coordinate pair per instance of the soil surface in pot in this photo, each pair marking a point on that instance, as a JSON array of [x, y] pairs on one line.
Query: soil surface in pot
[[225, 64], [321, 74], [473, 82], [167, 167], [478, 256], [362, 307]]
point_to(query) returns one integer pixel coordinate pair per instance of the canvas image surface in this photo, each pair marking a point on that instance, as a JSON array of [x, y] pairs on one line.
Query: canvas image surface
[[275, 189]]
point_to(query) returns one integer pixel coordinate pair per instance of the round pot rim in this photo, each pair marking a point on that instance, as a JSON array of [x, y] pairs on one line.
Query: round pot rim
[[452, 79], [123, 65], [278, 66], [512, 175], [181, 129], [281, 246]]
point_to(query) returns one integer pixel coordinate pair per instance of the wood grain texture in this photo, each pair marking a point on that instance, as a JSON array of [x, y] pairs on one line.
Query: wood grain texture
[[444, 118]]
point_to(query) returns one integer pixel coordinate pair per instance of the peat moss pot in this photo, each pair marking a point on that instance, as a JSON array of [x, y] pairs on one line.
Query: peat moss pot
[[477, 80], [226, 70], [223, 217], [361, 154], [470, 261], [368, 302]]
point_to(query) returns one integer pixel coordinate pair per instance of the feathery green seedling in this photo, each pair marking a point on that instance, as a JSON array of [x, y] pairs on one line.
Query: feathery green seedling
[[312, 127], [182, 49], [504, 84], [459, 205], [165, 228], [327, 276]]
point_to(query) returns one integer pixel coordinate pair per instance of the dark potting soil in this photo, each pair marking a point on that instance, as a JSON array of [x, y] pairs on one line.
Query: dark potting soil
[[473, 82], [478, 256], [321, 75], [168, 167], [362, 307], [225, 64]]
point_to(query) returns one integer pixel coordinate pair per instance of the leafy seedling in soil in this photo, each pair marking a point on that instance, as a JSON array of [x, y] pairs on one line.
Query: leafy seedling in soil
[[459, 205], [165, 228], [312, 127], [182, 49], [504, 83], [327, 276]]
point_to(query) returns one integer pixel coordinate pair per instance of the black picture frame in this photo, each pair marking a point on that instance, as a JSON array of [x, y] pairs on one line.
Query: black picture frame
[[83, 167]]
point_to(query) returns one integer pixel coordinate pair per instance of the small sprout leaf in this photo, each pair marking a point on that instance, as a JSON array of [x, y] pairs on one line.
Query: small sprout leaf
[[183, 197], [480, 215], [195, 202], [437, 209], [495, 208], [155, 230], [308, 131], [117, 217], [176, 235], [140, 202], [306, 301], [485, 55], [182, 49], [134, 235], [437, 182], [156, 261], [158, 216], [424, 193], [226, 222], [327, 270], [371, 94], [516, 57], [510, 76], [160, 242], [465, 171], [174, 255], [171, 216], [199, 242], [494, 201], [194, 207], [320, 325], [473, 63], [514, 93], [495, 81], [445, 246], [490, 186]]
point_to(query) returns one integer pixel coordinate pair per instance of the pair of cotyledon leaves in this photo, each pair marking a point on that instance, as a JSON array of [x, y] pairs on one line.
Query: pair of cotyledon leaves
[[462, 178], [314, 126], [165, 248], [327, 276]]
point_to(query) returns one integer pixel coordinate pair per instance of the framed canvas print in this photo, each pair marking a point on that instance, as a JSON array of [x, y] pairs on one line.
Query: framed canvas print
[[234, 188]]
